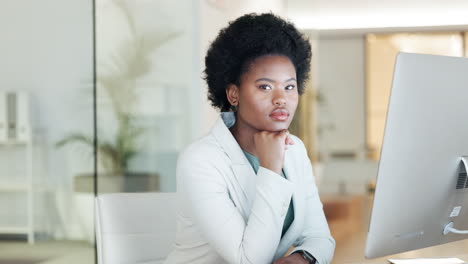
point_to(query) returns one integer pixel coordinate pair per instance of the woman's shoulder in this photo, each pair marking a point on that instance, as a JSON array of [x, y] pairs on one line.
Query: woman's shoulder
[[201, 161], [205, 149]]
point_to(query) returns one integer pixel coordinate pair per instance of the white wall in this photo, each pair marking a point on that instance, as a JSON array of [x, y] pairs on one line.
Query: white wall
[[340, 71], [328, 14], [339, 77]]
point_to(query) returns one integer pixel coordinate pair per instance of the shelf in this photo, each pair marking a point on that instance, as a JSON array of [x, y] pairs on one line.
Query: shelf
[[14, 230], [20, 187], [19, 137], [13, 143], [13, 187]]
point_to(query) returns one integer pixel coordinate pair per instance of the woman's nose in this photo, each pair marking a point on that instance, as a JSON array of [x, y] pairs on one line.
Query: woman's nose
[[279, 98]]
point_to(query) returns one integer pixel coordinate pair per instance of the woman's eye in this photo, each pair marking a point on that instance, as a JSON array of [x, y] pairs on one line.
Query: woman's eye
[[290, 87], [265, 87]]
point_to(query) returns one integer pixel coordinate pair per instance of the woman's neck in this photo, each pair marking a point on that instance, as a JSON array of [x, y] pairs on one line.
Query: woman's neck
[[244, 135]]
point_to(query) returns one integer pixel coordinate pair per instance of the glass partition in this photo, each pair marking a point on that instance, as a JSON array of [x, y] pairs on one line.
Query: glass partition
[[46, 100]]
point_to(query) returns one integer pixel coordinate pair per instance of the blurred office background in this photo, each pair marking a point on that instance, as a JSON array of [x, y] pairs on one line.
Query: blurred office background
[[134, 69]]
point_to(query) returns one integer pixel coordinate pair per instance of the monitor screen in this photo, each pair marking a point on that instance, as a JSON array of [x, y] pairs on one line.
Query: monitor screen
[[421, 182]]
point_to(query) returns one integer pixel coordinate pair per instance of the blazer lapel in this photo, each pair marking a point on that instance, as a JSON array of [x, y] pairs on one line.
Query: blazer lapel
[[243, 171]]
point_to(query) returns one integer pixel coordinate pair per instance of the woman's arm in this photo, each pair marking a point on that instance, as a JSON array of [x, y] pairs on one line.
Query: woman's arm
[[316, 238], [253, 241]]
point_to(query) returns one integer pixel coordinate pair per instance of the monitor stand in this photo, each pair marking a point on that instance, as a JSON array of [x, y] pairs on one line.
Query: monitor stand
[[461, 183]]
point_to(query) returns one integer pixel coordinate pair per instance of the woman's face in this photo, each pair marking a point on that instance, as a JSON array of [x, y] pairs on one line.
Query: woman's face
[[267, 96]]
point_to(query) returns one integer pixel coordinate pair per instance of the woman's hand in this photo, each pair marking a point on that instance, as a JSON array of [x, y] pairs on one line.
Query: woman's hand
[[295, 258], [270, 148]]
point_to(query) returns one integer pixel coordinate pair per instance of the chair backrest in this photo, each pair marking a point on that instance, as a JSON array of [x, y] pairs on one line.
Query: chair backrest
[[135, 227]]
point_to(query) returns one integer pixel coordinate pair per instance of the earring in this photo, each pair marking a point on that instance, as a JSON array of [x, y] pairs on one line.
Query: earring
[[234, 108]]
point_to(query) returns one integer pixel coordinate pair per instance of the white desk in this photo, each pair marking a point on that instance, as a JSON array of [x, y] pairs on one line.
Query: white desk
[[350, 248]]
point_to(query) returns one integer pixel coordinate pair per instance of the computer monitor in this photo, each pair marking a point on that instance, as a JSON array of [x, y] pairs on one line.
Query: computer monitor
[[421, 182]]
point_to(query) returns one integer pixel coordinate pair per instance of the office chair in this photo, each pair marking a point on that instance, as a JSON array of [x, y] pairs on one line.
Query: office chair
[[135, 227]]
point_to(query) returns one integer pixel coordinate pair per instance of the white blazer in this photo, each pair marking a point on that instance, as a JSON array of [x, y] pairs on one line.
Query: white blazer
[[227, 214]]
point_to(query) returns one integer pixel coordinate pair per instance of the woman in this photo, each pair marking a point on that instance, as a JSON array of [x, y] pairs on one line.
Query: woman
[[246, 190]]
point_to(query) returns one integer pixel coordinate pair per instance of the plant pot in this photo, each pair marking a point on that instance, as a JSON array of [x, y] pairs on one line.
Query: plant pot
[[111, 183]]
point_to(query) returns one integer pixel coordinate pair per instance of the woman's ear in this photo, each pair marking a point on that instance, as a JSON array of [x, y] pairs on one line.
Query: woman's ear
[[232, 92]]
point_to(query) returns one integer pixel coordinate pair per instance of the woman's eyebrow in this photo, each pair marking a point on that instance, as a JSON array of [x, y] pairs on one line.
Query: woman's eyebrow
[[265, 79], [273, 81]]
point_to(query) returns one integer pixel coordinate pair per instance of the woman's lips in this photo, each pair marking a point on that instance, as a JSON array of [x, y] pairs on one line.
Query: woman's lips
[[279, 115]]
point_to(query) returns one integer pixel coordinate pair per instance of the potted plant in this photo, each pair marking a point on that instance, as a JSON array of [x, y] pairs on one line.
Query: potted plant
[[114, 157]]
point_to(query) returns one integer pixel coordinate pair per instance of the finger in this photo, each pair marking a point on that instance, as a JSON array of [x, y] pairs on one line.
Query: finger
[[286, 138], [282, 135], [289, 140], [292, 141]]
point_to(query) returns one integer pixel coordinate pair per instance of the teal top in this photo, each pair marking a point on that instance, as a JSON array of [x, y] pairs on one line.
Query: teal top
[[255, 162]]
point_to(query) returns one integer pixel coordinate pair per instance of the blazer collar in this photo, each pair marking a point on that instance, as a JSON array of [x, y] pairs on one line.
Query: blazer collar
[[225, 138]]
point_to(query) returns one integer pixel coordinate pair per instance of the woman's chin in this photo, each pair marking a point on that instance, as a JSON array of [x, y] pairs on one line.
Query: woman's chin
[[276, 127]]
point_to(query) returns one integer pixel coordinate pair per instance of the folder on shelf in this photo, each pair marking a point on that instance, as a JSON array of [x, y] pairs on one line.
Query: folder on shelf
[[22, 117], [11, 116], [3, 117], [14, 117]]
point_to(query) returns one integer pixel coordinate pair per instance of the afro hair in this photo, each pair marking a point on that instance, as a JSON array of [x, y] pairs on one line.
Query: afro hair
[[245, 39]]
